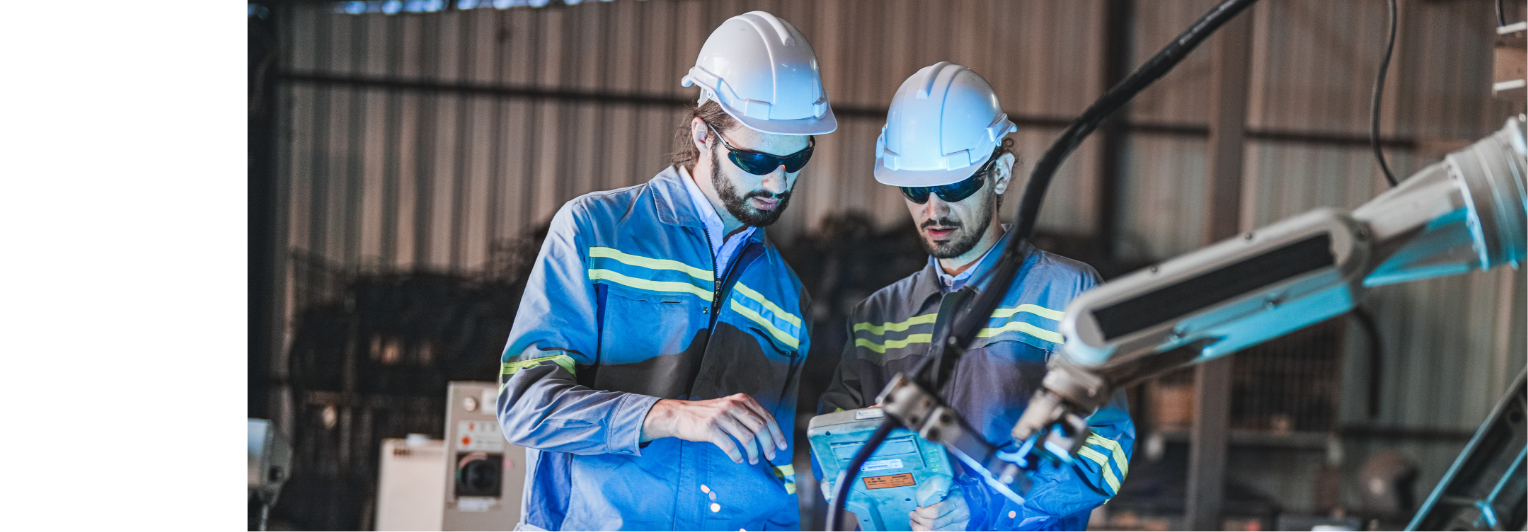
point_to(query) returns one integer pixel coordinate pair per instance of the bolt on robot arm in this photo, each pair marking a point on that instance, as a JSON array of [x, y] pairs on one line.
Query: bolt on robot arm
[[1467, 212]]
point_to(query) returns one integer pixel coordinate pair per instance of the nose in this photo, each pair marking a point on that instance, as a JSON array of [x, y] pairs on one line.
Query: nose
[[935, 207], [777, 181]]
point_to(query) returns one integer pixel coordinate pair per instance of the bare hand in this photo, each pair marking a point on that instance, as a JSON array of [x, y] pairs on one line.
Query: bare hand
[[717, 421], [949, 514]]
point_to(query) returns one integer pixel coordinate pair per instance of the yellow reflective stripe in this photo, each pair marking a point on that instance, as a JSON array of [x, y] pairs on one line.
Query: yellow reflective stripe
[[510, 368], [1037, 332], [1032, 309], [761, 320], [644, 284], [652, 264], [1103, 463], [786, 473], [899, 326], [757, 297], [1114, 447], [893, 344]]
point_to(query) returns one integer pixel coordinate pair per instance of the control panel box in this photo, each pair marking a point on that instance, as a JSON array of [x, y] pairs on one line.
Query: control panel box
[[890, 482], [484, 474]]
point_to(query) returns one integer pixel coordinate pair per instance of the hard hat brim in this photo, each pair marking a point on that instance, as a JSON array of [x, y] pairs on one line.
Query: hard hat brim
[[924, 178], [821, 125]]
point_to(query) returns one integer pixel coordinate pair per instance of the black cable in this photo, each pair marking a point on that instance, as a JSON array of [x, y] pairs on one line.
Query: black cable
[[1159, 65], [1376, 358], [1501, 17], [841, 492], [1379, 89]]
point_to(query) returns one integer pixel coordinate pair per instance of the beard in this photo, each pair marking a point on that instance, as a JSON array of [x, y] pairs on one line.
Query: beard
[[964, 239], [737, 204]]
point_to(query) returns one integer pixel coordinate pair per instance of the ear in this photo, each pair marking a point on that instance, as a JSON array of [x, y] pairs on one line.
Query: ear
[[698, 134], [1002, 173]]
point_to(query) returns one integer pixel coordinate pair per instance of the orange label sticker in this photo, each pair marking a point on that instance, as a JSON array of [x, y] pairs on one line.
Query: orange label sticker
[[889, 481]]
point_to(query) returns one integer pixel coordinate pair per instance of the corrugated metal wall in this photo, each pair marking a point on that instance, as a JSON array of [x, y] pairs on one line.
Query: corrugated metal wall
[[506, 114]]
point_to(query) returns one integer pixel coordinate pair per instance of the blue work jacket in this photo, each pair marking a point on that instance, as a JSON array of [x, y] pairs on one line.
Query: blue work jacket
[[623, 308], [993, 382]]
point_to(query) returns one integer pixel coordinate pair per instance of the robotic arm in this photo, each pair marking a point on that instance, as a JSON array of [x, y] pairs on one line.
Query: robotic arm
[[1468, 212]]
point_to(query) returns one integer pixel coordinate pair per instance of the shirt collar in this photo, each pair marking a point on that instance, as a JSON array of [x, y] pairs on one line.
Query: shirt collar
[[979, 273], [708, 216]]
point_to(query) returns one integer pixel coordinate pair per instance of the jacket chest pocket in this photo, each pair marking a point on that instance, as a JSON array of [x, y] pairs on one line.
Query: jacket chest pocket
[[640, 326]]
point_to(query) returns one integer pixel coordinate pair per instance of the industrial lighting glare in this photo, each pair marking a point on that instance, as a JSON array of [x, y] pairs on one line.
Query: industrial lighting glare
[[502, 4], [392, 6], [466, 4]]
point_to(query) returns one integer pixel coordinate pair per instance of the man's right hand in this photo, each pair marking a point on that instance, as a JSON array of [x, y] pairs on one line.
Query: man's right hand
[[718, 421]]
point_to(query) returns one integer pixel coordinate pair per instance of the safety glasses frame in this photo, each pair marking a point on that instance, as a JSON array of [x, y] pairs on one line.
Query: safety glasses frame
[[760, 163], [952, 192]]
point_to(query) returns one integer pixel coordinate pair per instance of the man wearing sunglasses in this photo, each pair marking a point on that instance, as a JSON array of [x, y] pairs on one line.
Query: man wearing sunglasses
[[943, 145], [653, 365]]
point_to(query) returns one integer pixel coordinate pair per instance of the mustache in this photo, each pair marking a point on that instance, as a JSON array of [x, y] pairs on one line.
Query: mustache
[[941, 222], [765, 194]]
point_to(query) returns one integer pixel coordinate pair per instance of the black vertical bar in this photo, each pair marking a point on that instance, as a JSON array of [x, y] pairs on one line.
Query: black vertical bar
[[264, 63], [356, 142], [467, 52], [495, 133], [393, 146], [1112, 139], [532, 122], [601, 168], [424, 156], [318, 196]]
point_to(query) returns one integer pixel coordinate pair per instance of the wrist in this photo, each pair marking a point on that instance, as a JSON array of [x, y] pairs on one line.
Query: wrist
[[655, 424]]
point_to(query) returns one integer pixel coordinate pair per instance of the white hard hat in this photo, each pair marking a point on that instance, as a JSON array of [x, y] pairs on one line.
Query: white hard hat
[[944, 123], [763, 73]]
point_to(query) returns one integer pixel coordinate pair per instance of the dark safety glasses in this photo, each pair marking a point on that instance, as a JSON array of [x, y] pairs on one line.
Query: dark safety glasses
[[759, 163], [952, 192]]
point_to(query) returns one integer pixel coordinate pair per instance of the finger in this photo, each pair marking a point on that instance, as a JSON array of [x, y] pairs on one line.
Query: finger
[[928, 513], [721, 440], [774, 428], [957, 514], [918, 522], [750, 420], [731, 425]]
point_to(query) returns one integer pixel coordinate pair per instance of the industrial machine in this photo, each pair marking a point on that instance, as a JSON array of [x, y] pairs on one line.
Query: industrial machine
[[1468, 212], [1465, 213], [905, 471], [270, 463], [484, 474]]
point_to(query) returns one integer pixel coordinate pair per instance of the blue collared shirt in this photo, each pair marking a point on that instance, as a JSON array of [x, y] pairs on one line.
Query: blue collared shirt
[[950, 283], [723, 248]]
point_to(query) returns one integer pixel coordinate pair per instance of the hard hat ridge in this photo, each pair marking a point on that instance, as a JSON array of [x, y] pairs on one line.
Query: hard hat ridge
[[762, 71], [944, 122]]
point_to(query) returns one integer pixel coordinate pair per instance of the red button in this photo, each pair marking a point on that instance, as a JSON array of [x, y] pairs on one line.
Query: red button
[[466, 440]]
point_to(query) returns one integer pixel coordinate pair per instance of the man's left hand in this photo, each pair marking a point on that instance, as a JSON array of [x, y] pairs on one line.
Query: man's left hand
[[950, 514]]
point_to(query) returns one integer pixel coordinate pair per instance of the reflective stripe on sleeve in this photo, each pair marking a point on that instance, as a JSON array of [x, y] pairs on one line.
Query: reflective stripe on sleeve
[[651, 263], [1117, 452], [510, 368], [1114, 447], [1103, 464]]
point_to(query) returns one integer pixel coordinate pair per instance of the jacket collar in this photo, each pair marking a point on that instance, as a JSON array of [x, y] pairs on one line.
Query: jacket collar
[[926, 286], [673, 204]]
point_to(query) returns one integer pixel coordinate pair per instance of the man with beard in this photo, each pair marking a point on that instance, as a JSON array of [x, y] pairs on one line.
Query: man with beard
[[943, 145], [660, 336]]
